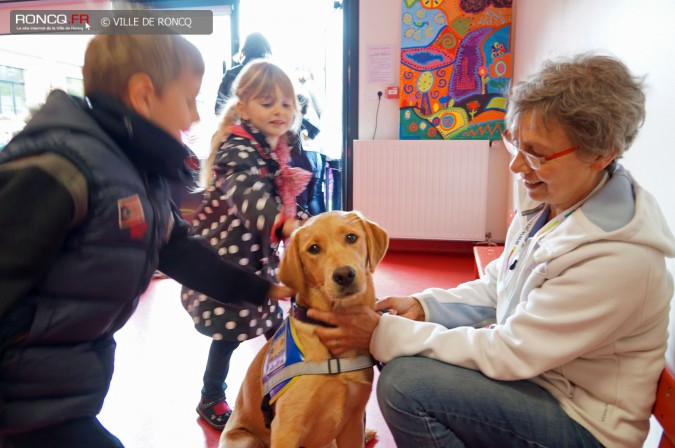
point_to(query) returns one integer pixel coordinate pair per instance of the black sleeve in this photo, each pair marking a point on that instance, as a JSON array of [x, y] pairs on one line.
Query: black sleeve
[[223, 92], [36, 214], [312, 131], [189, 260]]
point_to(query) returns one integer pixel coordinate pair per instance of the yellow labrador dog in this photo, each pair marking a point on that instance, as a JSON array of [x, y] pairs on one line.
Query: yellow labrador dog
[[312, 399]]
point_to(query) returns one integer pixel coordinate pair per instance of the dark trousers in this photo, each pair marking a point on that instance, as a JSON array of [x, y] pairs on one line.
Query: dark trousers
[[80, 433], [334, 180], [217, 368], [317, 202]]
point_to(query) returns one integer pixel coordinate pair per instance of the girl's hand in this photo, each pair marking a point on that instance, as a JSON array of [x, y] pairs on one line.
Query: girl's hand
[[408, 307], [289, 226], [280, 292]]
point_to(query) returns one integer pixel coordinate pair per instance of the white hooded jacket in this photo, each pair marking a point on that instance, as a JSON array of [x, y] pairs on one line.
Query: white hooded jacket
[[586, 320]]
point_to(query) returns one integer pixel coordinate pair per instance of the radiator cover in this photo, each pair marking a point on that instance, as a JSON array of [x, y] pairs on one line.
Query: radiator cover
[[423, 189]]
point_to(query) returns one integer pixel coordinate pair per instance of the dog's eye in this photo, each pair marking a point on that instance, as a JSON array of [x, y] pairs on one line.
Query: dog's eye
[[314, 249], [351, 238]]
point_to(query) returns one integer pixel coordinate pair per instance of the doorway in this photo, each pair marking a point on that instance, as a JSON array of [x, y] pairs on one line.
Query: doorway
[[306, 37], [320, 36]]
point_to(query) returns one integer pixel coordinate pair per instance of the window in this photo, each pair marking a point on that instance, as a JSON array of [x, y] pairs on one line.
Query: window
[[12, 90], [75, 86]]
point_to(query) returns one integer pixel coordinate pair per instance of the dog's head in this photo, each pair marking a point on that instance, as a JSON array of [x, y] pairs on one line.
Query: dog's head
[[334, 254]]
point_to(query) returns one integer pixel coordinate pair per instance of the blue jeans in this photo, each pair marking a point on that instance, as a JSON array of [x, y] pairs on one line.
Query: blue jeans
[[428, 403]]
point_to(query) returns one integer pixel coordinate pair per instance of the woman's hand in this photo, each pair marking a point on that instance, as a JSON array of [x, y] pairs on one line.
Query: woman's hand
[[354, 328], [408, 307], [280, 292]]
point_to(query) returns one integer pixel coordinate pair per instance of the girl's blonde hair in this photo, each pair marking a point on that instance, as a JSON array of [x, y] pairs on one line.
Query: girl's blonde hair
[[259, 78], [112, 59]]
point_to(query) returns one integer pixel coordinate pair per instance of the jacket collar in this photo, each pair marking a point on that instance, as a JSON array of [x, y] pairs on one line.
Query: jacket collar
[[148, 146]]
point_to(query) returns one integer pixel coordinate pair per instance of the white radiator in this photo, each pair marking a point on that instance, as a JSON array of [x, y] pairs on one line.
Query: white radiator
[[423, 189]]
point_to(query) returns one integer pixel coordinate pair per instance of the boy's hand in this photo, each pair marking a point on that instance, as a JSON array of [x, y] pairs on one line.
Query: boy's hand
[[280, 292]]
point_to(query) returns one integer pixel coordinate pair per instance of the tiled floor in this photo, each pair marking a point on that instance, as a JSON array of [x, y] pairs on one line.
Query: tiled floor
[[160, 359]]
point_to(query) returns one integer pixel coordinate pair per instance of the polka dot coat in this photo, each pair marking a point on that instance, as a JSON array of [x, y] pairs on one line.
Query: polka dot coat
[[236, 217]]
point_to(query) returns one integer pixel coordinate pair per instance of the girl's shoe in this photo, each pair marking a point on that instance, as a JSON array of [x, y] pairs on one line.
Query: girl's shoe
[[215, 413]]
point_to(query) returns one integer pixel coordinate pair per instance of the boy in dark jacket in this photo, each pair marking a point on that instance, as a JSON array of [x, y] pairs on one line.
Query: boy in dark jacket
[[86, 218]]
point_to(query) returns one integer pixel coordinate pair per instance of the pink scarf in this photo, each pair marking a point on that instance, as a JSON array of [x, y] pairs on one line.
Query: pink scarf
[[290, 181]]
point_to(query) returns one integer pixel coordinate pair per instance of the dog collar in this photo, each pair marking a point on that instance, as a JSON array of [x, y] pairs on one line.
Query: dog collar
[[300, 313]]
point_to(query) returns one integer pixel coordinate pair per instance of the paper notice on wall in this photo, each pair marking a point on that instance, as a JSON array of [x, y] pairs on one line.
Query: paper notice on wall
[[380, 64]]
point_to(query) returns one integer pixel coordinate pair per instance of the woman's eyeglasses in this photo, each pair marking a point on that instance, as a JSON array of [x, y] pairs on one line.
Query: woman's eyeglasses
[[534, 162]]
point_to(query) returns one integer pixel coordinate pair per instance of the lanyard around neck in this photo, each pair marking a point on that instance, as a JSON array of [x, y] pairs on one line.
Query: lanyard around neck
[[536, 228], [533, 224]]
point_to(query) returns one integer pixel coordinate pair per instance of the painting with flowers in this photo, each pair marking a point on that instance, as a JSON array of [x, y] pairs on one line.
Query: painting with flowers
[[455, 68]]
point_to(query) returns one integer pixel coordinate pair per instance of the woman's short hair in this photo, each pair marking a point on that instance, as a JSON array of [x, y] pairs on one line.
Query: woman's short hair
[[594, 98], [111, 60]]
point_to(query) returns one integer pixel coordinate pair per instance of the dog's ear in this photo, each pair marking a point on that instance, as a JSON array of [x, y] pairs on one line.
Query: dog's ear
[[290, 268], [377, 240]]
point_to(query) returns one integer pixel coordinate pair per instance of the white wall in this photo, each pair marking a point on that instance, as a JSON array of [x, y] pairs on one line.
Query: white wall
[[379, 24]]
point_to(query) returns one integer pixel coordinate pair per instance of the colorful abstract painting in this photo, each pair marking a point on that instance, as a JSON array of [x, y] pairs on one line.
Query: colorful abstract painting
[[455, 68]]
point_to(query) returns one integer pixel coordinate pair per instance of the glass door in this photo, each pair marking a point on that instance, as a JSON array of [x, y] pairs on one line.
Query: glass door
[[306, 41]]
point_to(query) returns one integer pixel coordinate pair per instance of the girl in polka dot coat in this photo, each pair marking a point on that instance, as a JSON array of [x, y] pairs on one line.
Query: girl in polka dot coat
[[248, 208]]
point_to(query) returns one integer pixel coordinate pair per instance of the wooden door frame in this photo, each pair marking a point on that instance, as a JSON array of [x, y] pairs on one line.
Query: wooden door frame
[[350, 95]]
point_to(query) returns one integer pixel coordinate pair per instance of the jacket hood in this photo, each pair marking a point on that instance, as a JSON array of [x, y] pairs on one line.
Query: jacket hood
[[620, 211], [62, 111]]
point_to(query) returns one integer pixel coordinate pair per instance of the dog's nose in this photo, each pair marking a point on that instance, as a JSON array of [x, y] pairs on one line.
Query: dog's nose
[[344, 276]]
